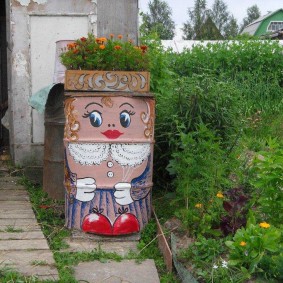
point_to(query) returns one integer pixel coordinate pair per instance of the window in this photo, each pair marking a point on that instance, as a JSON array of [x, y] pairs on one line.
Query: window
[[274, 26]]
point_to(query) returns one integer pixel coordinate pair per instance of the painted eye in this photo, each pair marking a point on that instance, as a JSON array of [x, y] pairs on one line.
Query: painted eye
[[95, 119], [125, 119]]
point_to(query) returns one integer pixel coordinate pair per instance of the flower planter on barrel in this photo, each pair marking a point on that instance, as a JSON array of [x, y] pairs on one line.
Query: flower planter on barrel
[[108, 140]]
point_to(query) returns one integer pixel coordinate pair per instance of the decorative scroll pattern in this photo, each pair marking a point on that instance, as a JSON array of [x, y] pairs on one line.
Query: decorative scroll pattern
[[72, 126], [107, 81], [148, 119]]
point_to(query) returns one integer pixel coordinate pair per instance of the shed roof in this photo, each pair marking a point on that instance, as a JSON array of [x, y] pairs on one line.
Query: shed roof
[[252, 27]]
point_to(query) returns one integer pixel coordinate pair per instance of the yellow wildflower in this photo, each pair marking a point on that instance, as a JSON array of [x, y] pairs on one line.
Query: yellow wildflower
[[198, 205], [264, 225], [220, 195], [242, 244]]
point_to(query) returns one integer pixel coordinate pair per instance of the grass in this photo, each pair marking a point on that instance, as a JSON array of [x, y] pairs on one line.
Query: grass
[[11, 229], [39, 263]]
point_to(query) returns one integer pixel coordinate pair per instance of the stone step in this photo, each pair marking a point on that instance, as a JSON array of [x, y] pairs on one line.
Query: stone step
[[14, 197], [17, 214], [124, 271], [13, 192], [14, 204], [11, 186], [83, 245], [28, 244], [23, 225], [16, 210], [21, 235], [38, 263]]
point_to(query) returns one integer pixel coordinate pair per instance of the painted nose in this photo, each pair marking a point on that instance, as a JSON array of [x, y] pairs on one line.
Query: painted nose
[[111, 125]]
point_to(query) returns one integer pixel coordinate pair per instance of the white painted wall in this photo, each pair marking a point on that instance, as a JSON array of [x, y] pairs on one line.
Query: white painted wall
[[180, 45], [42, 53]]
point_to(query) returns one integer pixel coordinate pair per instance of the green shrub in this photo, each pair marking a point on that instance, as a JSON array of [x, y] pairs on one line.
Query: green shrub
[[268, 179]]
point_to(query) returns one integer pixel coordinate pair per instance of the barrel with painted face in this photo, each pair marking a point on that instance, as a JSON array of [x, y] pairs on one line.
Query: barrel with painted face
[[108, 142]]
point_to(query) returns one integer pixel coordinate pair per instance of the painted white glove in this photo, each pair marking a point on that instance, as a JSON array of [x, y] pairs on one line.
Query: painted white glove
[[123, 193], [85, 189]]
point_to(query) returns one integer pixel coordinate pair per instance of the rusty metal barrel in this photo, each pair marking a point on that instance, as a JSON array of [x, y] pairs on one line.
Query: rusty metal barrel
[[108, 140], [53, 166]]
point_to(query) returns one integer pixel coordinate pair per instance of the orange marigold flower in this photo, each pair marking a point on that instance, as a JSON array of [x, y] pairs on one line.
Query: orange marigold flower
[[198, 205], [220, 195], [120, 36], [83, 39], [111, 35], [264, 225], [103, 39], [102, 47], [75, 51], [98, 40], [117, 47], [242, 244], [143, 47], [71, 46]]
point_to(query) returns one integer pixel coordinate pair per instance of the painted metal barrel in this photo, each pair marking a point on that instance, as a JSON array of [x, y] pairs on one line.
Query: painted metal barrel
[[53, 161], [108, 140]]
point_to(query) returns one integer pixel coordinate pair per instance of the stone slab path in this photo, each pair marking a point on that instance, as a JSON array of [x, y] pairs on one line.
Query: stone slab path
[[126, 271], [23, 246]]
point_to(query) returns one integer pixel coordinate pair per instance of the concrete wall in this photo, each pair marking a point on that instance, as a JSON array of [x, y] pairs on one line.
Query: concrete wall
[[34, 27]]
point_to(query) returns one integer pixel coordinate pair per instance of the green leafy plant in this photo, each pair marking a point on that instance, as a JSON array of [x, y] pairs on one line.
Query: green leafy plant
[[103, 53], [251, 244], [205, 258], [268, 179], [199, 166]]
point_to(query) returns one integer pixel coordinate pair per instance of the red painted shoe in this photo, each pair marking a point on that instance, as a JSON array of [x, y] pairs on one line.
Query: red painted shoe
[[125, 223], [97, 223]]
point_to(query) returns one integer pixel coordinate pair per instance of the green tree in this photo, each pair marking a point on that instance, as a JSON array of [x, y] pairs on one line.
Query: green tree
[[231, 29], [158, 20], [220, 15], [209, 30], [253, 13], [197, 17]]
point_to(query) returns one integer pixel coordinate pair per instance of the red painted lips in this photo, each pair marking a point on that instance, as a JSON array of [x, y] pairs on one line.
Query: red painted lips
[[112, 134]]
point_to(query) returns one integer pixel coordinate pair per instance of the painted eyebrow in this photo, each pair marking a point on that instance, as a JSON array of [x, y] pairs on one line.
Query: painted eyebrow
[[126, 103], [94, 103]]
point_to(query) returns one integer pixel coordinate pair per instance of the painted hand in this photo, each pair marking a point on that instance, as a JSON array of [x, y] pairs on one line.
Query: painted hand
[[85, 189], [123, 193]]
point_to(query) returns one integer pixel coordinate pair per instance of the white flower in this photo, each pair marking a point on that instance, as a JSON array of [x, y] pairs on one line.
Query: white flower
[[214, 266], [224, 264]]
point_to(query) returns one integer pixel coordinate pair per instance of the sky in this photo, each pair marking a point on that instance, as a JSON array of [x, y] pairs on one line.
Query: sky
[[236, 7]]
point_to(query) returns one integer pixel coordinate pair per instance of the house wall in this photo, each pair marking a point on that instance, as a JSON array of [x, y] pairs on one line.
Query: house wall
[[34, 27], [262, 29], [125, 13]]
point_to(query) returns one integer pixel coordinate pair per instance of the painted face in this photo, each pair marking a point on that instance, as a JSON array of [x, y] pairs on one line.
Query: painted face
[[111, 119]]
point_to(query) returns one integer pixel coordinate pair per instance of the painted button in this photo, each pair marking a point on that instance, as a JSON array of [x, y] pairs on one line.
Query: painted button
[[110, 174], [110, 164]]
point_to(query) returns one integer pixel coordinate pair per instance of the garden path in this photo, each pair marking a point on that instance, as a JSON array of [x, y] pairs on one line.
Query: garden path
[[22, 244]]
